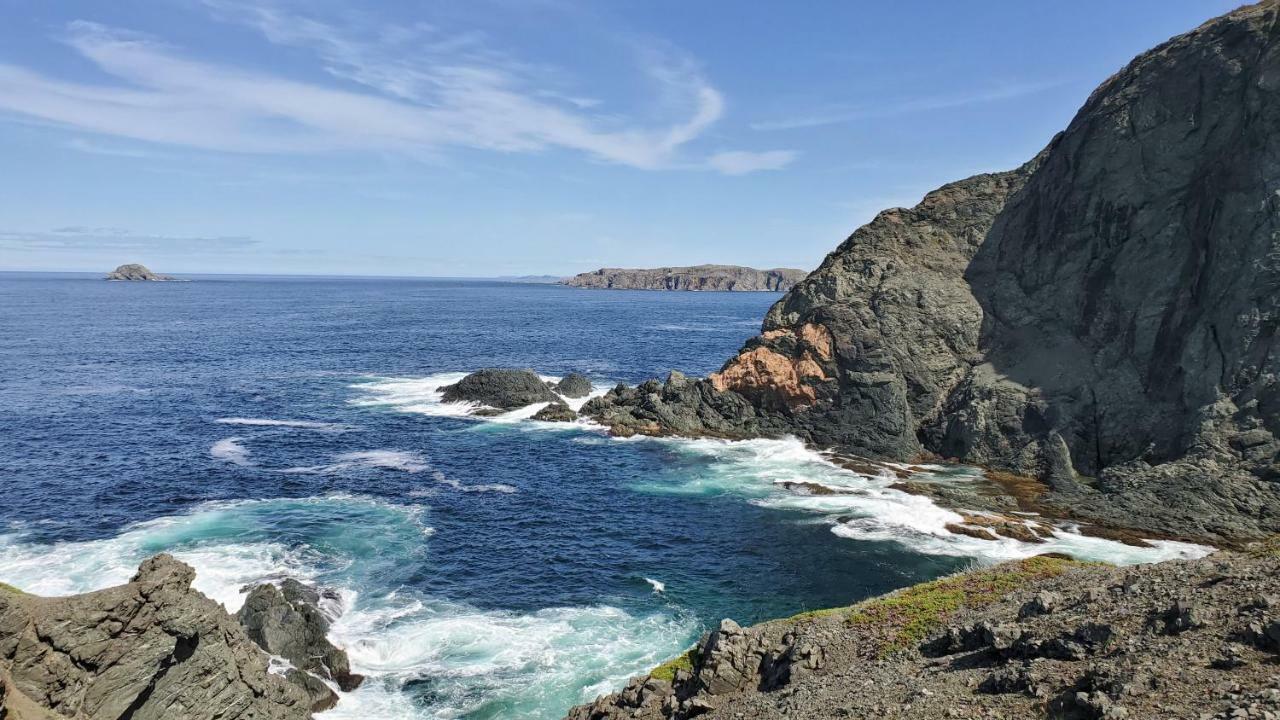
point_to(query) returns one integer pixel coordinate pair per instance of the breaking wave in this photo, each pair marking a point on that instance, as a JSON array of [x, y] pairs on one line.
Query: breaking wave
[[424, 657]]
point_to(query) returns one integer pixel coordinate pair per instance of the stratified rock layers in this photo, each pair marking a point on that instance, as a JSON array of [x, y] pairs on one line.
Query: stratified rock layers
[[153, 649]]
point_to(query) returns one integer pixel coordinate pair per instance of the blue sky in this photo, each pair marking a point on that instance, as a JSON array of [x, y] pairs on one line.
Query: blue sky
[[504, 137]]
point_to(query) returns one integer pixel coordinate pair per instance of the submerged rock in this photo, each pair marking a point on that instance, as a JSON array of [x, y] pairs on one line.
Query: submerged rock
[[501, 388], [152, 649], [136, 273]]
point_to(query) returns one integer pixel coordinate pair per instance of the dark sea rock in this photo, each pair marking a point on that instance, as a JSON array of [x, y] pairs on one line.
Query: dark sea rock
[[698, 277], [556, 412], [153, 649], [136, 273], [574, 385], [1102, 318], [287, 622], [501, 388]]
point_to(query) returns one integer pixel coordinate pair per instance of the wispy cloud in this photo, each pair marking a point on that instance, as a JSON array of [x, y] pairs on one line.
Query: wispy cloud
[[738, 162], [79, 238], [838, 115], [411, 90]]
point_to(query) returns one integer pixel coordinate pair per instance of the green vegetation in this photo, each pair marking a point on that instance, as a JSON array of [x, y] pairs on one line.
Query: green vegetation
[[1266, 548], [906, 617], [667, 670], [10, 589]]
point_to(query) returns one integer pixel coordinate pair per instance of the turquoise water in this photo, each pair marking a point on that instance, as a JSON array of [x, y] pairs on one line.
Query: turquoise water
[[497, 568]]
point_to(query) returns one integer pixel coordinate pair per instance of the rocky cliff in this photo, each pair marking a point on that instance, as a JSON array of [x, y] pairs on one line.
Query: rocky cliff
[[1044, 637], [698, 277], [134, 272], [153, 649], [1102, 318]]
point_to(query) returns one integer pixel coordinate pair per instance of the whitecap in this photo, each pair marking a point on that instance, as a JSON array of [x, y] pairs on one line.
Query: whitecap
[[267, 422], [410, 462], [781, 474], [230, 450], [527, 664], [658, 586], [425, 396]]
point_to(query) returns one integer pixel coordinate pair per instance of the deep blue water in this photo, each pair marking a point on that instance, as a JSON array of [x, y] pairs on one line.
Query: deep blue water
[[491, 569]]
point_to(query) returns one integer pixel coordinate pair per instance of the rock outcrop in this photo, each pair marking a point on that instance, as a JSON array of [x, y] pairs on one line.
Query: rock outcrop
[[287, 622], [574, 385], [153, 649], [136, 273], [1102, 318], [502, 389], [698, 277], [1044, 637]]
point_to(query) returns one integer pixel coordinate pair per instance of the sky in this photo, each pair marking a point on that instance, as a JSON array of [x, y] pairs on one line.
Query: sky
[[490, 138]]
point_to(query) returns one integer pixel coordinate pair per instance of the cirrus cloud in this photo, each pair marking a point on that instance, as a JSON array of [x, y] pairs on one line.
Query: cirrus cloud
[[452, 92]]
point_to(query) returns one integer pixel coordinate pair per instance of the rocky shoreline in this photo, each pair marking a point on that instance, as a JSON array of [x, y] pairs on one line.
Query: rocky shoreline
[[1044, 637], [157, 649]]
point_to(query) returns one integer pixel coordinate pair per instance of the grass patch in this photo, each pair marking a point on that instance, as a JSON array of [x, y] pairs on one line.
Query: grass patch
[[906, 617], [10, 589], [667, 670], [1265, 548], [815, 614]]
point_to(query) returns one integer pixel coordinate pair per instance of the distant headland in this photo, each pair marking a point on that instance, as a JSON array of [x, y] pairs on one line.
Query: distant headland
[[698, 277], [134, 272]]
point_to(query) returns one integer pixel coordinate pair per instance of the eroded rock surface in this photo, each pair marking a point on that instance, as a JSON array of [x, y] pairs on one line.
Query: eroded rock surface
[[1102, 318], [153, 649], [287, 621], [1041, 638]]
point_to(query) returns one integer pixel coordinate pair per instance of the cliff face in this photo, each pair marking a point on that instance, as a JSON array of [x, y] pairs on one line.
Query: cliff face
[[699, 277], [1102, 318], [151, 649]]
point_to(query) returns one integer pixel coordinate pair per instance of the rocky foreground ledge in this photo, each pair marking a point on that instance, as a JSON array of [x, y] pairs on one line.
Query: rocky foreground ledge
[[1043, 637], [157, 649]]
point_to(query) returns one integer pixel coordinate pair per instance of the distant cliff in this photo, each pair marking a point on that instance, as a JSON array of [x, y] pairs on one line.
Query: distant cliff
[[698, 277]]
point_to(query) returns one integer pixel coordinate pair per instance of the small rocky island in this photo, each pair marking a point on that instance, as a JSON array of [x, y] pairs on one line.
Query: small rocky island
[[697, 277], [133, 272]]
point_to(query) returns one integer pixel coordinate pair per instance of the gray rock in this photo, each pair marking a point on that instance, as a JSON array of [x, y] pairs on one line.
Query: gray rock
[[1042, 603], [136, 273], [500, 388], [699, 277], [287, 621], [1108, 310], [574, 385], [556, 412], [150, 650]]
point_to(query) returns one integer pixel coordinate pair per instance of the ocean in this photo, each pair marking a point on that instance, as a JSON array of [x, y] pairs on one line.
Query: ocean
[[260, 427]]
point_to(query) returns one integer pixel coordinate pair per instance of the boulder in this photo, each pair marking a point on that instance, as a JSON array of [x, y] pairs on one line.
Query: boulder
[[501, 388], [287, 621], [556, 412], [574, 385]]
